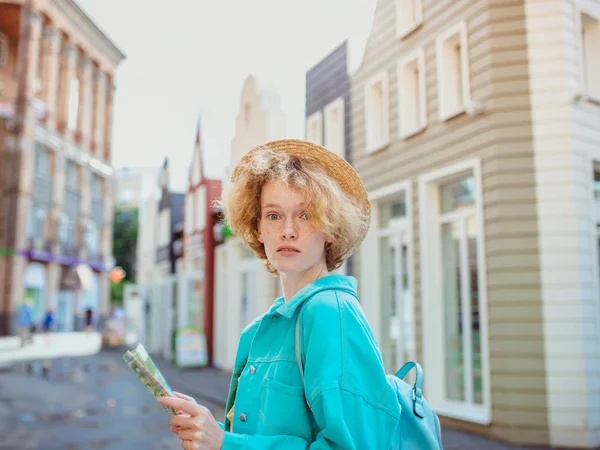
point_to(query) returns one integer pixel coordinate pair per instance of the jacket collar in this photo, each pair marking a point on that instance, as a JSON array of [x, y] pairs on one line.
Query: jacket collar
[[334, 281]]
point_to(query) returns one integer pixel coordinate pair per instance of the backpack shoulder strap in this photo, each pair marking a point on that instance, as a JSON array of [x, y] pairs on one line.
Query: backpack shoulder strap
[[299, 349], [298, 337]]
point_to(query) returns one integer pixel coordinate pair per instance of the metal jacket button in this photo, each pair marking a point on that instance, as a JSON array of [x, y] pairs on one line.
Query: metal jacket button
[[252, 370]]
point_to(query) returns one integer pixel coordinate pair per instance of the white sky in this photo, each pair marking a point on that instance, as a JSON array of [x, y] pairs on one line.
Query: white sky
[[187, 57]]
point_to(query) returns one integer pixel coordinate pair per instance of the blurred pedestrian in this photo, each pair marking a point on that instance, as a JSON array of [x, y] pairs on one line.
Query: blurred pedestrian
[[48, 324], [308, 372], [25, 322], [88, 319]]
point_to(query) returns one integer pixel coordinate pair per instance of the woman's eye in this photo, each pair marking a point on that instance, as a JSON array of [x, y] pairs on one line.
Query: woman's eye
[[272, 216], [304, 216]]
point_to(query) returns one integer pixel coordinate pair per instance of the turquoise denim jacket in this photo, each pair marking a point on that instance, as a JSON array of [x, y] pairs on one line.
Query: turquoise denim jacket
[[351, 404]]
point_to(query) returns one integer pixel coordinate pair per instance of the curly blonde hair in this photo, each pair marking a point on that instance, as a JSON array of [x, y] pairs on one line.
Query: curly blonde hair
[[330, 209]]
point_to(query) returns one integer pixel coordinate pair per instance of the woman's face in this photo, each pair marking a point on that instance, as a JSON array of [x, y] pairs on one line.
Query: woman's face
[[292, 243]]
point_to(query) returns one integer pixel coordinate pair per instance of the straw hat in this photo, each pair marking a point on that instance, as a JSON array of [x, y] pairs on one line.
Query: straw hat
[[336, 167]]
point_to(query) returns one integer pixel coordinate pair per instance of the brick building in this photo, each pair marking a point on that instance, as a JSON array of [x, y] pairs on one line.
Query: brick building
[[56, 101]]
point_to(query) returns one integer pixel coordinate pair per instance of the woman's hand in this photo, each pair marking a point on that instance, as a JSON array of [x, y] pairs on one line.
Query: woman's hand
[[194, 425], [176, 429]]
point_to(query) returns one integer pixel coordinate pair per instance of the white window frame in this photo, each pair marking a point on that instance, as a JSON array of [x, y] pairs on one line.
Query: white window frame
[[589, 65], [405, 89], [370, 286], [372, 144], [406, 25], [3, 50], [447, 109], [335, 134], [313, 121], [432, 295]]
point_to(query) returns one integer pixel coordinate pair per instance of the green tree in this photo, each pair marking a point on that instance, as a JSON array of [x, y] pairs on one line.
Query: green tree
[[125, 232]]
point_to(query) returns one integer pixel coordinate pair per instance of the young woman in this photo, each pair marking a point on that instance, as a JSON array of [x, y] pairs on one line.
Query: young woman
[[303, 210]]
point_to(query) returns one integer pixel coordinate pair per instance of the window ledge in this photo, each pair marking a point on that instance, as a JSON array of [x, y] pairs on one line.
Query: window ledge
[[413, 132], [403, 33], [452, 114], [378, 148], [474, 414], [583, 97]]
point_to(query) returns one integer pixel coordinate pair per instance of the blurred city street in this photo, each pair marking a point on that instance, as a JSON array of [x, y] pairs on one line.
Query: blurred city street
[[92, 401], [95, 401], [459, 140]]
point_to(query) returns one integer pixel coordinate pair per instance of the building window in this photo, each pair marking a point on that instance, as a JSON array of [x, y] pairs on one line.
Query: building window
[[66, 232], [36, 222], [314, 128], [73, 104], [91, 238], [397, 306], [71, 175], [590, 45], [377, 123], [454, 83], [453, 278], [334, 127], [96, 186], [3, 50], [42, 162], [411, 94], [409, 16]]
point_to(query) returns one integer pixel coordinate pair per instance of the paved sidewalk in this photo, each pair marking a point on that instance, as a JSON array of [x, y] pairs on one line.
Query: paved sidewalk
[[94, 400], [49, 346]]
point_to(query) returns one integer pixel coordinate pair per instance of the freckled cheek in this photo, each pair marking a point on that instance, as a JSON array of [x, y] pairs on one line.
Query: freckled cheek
[[268, 237]]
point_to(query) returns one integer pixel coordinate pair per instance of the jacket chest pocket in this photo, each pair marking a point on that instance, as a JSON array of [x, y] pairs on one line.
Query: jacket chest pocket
[[283, 410]]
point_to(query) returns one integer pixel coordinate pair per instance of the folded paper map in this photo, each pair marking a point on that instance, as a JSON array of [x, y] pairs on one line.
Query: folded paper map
[[141, 363]]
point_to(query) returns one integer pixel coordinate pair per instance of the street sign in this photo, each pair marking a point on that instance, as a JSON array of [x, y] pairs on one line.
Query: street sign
[[190, 348]]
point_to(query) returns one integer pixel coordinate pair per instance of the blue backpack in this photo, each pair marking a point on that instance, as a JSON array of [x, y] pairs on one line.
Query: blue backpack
[[419, 426]]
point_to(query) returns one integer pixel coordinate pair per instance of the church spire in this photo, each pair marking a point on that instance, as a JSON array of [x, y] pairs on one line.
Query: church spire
[[197, 173]]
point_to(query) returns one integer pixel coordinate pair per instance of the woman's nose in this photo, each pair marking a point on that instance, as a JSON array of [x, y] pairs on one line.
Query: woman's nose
[[289, 230]]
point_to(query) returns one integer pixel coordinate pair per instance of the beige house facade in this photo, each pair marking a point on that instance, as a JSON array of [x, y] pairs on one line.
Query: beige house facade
[[243, 287], [476, 128]]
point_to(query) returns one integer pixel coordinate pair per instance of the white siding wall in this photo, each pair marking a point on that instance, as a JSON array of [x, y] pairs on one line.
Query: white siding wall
[[562, 139]]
